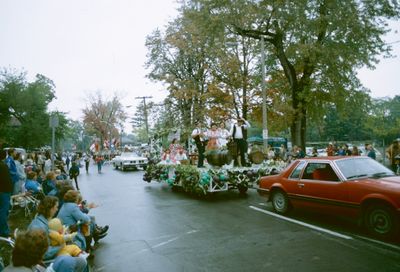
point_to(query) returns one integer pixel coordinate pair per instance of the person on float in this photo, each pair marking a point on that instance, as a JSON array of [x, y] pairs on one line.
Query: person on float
[[239, 132], [199, 139]]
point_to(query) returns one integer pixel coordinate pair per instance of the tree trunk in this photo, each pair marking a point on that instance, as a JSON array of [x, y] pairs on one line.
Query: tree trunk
[[299, 122]]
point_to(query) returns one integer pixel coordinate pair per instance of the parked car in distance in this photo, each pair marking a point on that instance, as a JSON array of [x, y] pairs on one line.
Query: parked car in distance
[[357, 187], [129, 160]]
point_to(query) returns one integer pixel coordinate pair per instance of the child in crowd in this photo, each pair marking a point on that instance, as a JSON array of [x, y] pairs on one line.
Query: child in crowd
[[59, 237]]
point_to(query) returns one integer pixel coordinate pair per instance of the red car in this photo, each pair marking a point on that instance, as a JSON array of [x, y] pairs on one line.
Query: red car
[[359, 187]]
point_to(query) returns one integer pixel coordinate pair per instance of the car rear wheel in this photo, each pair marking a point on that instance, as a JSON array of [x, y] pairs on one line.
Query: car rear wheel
[[381, 221], [280, 202]]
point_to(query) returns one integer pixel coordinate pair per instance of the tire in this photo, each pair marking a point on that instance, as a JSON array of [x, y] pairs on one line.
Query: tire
[[144, 167], [280, 202], [381, 221]]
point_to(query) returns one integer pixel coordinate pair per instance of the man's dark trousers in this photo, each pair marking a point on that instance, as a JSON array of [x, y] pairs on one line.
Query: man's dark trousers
[[200, 150], [241, 148], [4, 209]]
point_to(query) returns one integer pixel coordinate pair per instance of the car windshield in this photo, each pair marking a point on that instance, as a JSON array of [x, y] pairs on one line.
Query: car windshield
[[359, 167]]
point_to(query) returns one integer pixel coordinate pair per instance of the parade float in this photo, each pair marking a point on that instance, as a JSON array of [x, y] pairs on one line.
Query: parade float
[[219, 176]]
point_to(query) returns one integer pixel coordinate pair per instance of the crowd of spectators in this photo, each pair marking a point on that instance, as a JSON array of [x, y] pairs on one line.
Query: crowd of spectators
[[58, 198]]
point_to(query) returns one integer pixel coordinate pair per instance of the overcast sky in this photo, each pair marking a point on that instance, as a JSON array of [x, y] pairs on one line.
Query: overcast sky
[[84, 46]]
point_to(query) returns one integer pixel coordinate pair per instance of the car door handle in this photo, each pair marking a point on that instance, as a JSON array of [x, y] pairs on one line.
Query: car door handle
[[300, 185]]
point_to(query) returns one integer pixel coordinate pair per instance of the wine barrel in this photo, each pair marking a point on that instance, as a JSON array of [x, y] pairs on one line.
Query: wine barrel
[[218, 157], [256, 156]]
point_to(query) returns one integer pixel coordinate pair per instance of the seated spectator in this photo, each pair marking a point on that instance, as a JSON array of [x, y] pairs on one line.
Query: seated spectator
[[47, 208], [31, 184], [71, 216], [62, 188], [59, 236], [30, 165], [85, 208], [28, 251], [40, 175], [60, 175], [49, 184]]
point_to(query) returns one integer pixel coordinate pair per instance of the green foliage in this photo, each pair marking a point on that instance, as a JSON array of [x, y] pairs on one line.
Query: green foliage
[[24, 119], [314, 49]]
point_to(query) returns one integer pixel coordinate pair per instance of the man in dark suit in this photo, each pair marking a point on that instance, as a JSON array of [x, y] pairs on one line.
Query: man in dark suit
[[198, 138], [239, 135]]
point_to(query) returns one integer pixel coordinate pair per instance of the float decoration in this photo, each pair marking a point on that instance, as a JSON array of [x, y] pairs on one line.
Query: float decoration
[[201, 181]]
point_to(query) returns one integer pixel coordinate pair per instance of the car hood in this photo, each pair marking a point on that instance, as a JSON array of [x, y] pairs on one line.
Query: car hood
[[392, 182]]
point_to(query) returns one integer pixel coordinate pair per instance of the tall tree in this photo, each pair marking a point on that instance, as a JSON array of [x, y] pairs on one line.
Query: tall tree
[[103, 117], [317, 45], [24, 117]]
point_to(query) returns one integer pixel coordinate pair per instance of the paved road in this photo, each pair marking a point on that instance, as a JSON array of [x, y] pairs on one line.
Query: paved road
[[155, 229]]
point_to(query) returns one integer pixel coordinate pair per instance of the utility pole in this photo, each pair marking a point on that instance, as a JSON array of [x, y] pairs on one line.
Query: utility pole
[[264, 96], [53, 122], [145, 114]]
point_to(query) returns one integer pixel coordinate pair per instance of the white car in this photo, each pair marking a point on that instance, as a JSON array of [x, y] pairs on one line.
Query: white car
[[129, 160]]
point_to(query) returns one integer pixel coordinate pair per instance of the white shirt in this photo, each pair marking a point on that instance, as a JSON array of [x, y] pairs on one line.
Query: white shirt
[[197, 131], [223, 137], [180, 157], [238, 132], [47, 166]]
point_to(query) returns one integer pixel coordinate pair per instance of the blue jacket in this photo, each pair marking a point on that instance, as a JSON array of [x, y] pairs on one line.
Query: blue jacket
[[32, 186], [12, 168], [48, 186], [40, 222], [70, 214]]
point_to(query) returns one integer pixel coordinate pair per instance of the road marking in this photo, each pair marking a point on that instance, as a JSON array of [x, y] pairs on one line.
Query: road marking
[[303, 224], [379, 242], [166, 242]]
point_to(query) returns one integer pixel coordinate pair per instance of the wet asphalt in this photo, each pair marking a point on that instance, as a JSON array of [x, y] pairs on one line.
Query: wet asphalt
[[153, 228]]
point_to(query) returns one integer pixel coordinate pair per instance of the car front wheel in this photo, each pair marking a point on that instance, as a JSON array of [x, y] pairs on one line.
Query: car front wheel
[[381, 221], [280, 202]]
